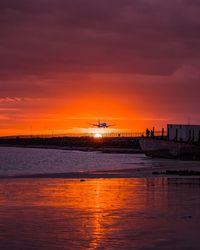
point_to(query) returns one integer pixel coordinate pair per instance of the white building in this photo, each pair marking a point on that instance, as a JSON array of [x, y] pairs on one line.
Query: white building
[[185, 133]]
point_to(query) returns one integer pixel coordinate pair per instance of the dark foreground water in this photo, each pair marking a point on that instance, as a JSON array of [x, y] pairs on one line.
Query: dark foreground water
[[58, 214]]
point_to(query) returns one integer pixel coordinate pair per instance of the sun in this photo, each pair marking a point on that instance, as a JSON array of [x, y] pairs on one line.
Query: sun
[[97, 135]]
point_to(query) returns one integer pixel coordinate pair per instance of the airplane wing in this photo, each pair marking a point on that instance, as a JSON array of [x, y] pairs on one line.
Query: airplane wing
[[95, 125]]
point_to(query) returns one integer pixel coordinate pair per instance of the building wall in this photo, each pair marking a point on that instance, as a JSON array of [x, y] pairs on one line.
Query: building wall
[[184, 133]]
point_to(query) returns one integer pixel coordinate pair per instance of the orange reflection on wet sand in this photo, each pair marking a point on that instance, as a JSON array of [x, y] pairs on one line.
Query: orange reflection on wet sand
[[98, 214], [101, 201]]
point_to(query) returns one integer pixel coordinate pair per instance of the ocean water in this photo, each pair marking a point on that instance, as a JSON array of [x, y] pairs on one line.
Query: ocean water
[[17, 161], [66, 214], [22, 161]]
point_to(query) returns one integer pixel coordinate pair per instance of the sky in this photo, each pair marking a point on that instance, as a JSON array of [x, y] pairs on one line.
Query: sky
[[66, 63]]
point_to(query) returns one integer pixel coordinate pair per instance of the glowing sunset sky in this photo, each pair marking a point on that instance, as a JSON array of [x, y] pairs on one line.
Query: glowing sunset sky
[[66, 63]]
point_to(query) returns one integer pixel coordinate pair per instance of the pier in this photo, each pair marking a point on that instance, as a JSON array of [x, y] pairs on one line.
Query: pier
[[109, 142]]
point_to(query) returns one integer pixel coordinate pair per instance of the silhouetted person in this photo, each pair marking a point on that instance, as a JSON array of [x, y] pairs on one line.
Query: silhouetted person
[[163, 132], [147, 132]]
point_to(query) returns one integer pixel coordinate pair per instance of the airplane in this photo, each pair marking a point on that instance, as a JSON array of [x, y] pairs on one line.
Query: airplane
[[102, 124]]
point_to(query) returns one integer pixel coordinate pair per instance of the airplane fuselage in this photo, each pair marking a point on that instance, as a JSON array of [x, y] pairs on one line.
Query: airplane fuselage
[[101, 125]]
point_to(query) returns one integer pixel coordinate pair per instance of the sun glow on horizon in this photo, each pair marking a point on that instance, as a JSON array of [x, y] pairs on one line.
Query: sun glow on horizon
[[97, 135]]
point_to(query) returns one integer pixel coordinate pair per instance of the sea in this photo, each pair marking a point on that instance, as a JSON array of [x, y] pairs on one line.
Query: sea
[[97, 213], [22, 161], [28, 161]]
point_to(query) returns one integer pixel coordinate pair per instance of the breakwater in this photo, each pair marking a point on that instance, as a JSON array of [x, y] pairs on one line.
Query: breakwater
[[107, 145]]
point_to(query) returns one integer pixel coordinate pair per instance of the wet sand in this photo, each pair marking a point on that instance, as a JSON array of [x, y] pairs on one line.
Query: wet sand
[[130, 213], [142, 172]]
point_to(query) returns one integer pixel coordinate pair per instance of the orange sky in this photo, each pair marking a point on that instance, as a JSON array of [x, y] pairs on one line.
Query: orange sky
[[129, 101], [73, 112]]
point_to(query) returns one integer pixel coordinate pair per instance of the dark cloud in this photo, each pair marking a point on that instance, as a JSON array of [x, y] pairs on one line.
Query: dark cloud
[[147, 37]]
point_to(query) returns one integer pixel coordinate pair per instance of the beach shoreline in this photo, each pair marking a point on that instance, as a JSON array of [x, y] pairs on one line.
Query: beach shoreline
[[145, 172]]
